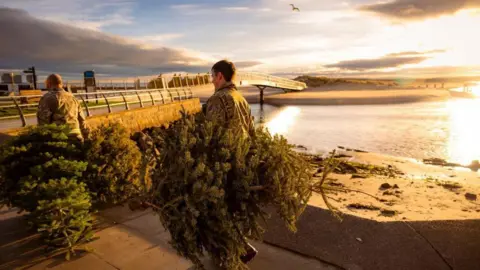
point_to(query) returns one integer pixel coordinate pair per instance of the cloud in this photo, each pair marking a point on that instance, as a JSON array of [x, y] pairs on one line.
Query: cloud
[[389, 61], [58, 47], [426, 72], [160, 38], [235, 8], [419, 9], [414, 53], [88, 14], [247, 64], [184, 6]]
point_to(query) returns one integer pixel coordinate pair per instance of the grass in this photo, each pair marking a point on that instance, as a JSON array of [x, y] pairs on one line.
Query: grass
[[320, 81], [5, 112], [449, 185]]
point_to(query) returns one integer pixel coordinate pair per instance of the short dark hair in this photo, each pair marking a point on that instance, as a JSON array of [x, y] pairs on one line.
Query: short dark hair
[[227, 69], [54, 79]]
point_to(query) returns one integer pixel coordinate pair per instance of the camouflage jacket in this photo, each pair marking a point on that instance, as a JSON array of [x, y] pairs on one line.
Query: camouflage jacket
[[229, 107], [61, 107]]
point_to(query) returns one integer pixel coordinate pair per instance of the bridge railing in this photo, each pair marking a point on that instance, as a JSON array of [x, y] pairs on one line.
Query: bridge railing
[[21, 107], [156, 91], [252, 78]]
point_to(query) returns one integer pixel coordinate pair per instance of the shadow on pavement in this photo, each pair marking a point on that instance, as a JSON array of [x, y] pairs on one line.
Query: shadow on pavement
[[357, 243], [130, 240]]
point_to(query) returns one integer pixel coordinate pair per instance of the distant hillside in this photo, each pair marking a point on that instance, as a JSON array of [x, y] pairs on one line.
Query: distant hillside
[[321, 81]]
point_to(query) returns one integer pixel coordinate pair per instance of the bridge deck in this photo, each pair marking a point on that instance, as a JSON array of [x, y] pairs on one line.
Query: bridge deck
[[259, 79]]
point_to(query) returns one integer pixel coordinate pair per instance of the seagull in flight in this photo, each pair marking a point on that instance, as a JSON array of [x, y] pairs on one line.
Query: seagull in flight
[[294, 8]]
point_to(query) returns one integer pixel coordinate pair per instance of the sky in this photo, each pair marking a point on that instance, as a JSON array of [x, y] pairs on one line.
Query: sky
[[355, 38]]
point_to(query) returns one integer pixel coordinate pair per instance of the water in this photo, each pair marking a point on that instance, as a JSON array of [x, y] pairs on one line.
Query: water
[[447, 129]]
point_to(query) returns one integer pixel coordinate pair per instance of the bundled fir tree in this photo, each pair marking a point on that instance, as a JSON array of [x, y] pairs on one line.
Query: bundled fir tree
[[211, 185], [63, 214], [39, 171], [114, 164]]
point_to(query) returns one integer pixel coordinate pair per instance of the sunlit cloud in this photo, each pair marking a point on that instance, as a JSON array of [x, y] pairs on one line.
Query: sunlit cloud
[[379, 63], [58, 46], [87, 14], [184, 6], [420, 9], [328, 36], [235, 8], [391, 60], [151, 41]]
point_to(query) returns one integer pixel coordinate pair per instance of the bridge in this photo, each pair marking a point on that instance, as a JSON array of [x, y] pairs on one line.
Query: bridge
[[263, 81], [20, 111]]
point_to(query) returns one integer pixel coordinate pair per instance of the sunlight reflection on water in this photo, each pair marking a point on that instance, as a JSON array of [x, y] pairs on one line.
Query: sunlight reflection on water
[[464, 139], [448, 130]]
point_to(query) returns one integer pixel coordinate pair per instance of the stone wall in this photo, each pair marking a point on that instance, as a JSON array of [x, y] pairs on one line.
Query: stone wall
[[141, 118], [135, 119]]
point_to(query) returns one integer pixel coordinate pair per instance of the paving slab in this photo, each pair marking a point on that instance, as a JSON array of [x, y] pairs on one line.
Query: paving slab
[[88, 261], [18, 244], [148, 224], [118, 245], [137, 240], [270, 257], [382, 245], [121, 213], [458, 242], [158, 258]]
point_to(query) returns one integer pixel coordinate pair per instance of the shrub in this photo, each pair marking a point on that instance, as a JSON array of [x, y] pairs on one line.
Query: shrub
[[114, 164], [211, 184]]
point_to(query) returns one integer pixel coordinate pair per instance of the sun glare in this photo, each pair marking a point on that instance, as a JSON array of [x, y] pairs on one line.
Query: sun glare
[[282, 121], [464, 130], [476, 90]]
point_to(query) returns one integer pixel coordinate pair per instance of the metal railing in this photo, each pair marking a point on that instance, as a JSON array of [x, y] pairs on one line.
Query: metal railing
[[93, 101], [21, 107], [252, 78], [188, 80]]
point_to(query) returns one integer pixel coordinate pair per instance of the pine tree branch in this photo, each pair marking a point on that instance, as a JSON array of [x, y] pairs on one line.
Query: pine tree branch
[[257, 188], [351, 190]]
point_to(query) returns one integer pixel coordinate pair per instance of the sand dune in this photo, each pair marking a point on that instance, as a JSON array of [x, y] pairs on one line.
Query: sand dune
[[357, 97], [338, 94]]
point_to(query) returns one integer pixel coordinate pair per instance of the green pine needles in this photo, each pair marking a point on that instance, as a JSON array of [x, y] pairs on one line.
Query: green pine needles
[[114, 164], [40, 173], [211, 185]]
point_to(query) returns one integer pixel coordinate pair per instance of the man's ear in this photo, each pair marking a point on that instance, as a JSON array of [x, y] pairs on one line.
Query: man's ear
[[220, 76]]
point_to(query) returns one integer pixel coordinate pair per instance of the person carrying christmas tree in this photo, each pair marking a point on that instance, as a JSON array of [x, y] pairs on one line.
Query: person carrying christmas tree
[[228, 107], [62, 108]]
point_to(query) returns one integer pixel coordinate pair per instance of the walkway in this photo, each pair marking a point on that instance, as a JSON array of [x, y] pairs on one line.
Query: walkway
[[127, 240], [136, 240]]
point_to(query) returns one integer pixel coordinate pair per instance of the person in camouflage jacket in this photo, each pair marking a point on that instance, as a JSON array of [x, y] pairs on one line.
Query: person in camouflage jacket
[[62, 108], [227, 105]]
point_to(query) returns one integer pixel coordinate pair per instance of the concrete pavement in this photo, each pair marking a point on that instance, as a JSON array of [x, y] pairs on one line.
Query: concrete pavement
[[136, 240], [127, 240], [358, 243]]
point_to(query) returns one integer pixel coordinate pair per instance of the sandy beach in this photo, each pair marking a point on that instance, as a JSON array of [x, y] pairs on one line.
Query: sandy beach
[[419, 193], [339, 94]]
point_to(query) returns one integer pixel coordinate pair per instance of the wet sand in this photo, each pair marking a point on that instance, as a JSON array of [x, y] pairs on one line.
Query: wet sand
[[423, 193]]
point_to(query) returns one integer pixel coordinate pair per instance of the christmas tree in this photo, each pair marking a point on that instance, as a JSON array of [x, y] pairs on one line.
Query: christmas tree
[[212, 184], [114, 164], [40, 172]]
